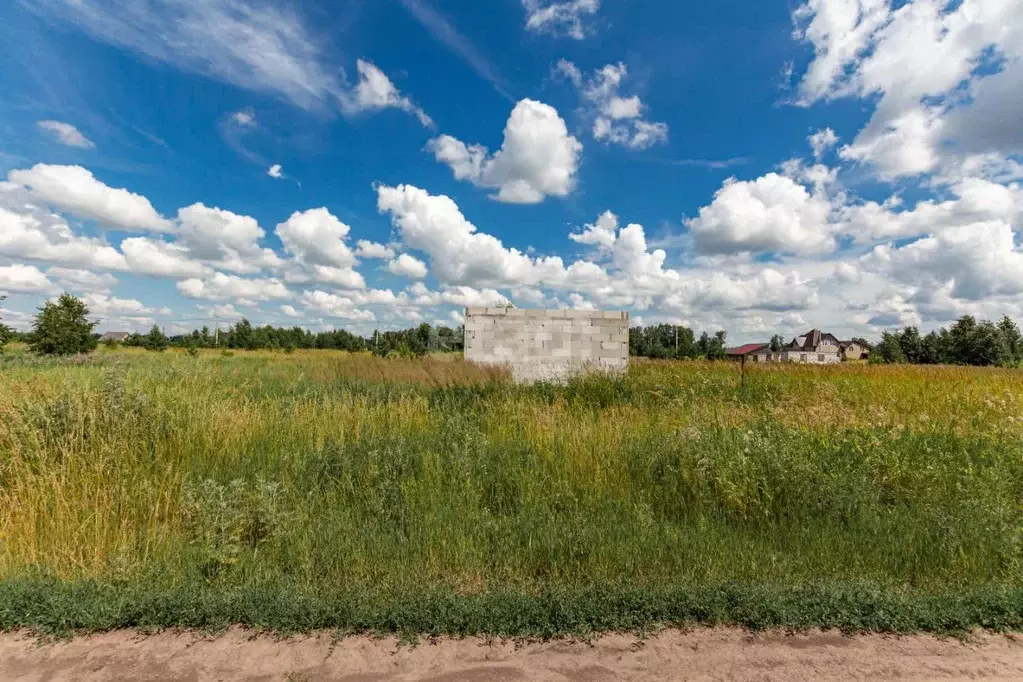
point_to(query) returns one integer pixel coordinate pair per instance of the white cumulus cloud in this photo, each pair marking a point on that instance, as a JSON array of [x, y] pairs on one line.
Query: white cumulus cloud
[[617, 119], [537, 159], [75, 189], [564, 17], [368, 249], [222, 287], [407, 266], [773, 213], [24, 279]]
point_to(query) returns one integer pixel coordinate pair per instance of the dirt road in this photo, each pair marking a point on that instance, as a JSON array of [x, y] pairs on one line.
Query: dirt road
[[715, 654]]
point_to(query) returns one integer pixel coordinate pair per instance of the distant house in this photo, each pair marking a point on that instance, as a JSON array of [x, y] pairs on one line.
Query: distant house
[[116, 337], [854, 350], [752, 352], [813, 348]]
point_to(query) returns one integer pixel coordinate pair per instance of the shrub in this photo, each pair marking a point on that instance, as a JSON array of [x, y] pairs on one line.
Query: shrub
[[5, 332], [63, 328], [225, 520], [156, 340]]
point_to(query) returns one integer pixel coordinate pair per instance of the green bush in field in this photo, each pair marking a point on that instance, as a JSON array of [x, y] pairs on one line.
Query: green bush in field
[[156, 340], [63, 328], [224, 520]]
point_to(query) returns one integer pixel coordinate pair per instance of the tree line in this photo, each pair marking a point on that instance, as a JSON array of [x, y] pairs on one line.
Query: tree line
[[242, 335], [63, 327], [674, 342], [966, 342]]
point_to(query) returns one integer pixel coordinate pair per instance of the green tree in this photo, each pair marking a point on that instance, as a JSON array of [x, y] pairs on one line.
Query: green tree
[[909, 342], [959, 349], [241, 335], [889, 350], [987, 346], [63, 328], [777, 343], [156, 340], [716, 346], [930, 349], [5, 331], [1012, 339]]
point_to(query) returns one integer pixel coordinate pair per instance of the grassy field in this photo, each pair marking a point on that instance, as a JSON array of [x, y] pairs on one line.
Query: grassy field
[[324, 490]]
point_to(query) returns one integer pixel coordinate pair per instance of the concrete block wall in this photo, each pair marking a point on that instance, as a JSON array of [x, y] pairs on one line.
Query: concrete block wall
[[547, 345]]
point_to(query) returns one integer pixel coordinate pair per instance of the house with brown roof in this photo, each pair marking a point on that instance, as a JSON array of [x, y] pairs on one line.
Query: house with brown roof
[[813, 348]]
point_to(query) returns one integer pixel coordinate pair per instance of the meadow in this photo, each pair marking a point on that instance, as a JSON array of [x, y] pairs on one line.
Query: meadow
[[319, 489]]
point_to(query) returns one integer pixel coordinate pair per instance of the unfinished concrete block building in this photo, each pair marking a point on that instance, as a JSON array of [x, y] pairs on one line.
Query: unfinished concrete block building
[[547, 345]]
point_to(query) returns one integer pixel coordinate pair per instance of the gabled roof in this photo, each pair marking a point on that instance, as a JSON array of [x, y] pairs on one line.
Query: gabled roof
[[811, 340], [747, 349]]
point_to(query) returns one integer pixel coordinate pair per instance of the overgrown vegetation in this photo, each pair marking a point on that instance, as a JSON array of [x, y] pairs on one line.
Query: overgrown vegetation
[[318, 490]]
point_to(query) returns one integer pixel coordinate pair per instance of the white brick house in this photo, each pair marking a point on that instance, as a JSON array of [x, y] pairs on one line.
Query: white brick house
[[815, 348]]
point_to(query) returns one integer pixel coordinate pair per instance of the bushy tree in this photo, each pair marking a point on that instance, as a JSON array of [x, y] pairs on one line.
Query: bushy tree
[[241, 335], [711, 347], [888, 350], [449, 339], [1012, 339], [959, 340], [135, 340], [156, 340], [910, 344], [777, 343], [63, 328], [5, 331], [988, 346], [931, 349]]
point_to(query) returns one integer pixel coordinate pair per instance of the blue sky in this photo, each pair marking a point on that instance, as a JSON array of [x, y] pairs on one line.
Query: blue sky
[[757, 167]]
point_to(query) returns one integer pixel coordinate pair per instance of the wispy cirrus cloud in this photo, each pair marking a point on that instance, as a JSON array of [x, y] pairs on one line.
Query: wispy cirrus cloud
[[261, 47], [447, 35], [710, 164], [66, 134], [258, 46]]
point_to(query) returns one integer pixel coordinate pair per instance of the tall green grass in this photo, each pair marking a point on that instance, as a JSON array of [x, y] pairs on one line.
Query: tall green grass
[[331, 490]]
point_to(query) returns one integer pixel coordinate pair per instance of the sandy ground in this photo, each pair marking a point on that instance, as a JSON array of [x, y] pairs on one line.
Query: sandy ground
[[708, 654]]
